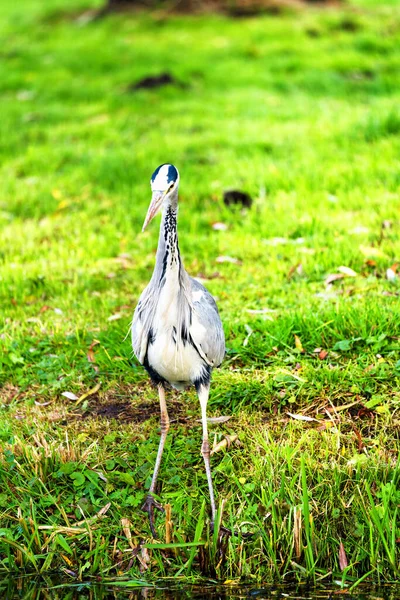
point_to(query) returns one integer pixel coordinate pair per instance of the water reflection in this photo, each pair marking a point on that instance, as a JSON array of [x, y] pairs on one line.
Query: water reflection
[[48, 589]]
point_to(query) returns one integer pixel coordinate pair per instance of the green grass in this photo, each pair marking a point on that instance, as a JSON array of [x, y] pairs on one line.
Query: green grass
[[301, 111]]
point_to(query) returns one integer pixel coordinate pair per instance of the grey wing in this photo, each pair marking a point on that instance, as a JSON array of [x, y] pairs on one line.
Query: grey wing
[[206, 328], [141, 325]]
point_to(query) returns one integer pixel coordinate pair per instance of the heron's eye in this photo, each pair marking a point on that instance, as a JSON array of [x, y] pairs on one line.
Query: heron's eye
[[170, 187]]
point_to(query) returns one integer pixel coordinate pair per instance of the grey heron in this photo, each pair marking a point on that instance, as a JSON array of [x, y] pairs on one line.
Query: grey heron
[[177, 333]]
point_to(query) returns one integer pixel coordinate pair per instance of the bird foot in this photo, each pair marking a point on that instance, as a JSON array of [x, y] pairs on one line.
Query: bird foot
[[223, 531], [227, 533], [149, 505]]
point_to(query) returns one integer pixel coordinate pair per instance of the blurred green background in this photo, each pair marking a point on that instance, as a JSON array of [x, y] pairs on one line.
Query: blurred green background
[[299, 108]]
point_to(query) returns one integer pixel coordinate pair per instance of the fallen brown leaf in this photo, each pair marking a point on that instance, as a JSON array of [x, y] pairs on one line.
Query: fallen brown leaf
[[144, 559], [295, 269], [359, 439], [103, 510], [333, 277], [225, 443], [126, 526], [343, 562], [392, 272], [91, 356]]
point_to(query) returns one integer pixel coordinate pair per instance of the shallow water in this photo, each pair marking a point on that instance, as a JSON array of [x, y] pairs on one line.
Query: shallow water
[[35, 589]]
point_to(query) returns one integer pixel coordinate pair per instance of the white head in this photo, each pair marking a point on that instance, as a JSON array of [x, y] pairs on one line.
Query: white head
[[164, 186]]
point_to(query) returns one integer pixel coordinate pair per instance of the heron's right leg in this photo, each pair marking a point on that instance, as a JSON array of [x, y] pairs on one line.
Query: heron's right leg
[[202, 392], [150, 503]]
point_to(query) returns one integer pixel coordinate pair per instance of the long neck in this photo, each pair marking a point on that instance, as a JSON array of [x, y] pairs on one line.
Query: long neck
[[168, 258]]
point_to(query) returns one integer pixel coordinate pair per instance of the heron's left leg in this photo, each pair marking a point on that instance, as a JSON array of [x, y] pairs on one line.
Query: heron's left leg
[[203, 392], [150, 503]]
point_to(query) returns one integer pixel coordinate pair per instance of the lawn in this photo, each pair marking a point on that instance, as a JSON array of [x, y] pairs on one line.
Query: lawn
[[301, 111]]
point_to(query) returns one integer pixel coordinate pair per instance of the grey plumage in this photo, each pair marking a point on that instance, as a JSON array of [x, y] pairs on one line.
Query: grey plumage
[[177, 333]]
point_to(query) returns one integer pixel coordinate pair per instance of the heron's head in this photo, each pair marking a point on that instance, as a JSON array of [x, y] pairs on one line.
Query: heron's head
[[164, 187]]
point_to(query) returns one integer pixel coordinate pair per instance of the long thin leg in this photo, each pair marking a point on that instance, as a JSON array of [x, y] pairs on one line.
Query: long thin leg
[[203, 392], [150, 503]]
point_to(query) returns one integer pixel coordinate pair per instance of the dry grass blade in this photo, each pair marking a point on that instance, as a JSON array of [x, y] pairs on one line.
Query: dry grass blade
[[224, 444], [91, 392]]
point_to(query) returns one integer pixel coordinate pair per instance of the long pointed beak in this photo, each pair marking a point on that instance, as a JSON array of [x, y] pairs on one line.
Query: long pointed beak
[[155, 204]]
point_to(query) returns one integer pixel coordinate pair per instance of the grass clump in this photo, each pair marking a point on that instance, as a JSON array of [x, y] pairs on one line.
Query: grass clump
[[299, 111]]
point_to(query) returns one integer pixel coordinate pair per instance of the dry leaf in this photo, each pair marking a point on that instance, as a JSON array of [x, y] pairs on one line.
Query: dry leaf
[[298, 269], [217, 420], [333, 277], [347, 271], [343, 562], [392, 272], [69, 395], [144, 559], [115, 317], [126, 526], [225, 443], [298, 344], [322, 354], [391, 275], [228, 259], [302, 417], [90, 355], [67, 560], [360, 442], [219, 226], [44, 403], [89, 393], [103, 510]]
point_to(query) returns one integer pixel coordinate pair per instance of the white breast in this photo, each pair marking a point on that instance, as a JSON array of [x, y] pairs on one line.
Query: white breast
[[178, 362]]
